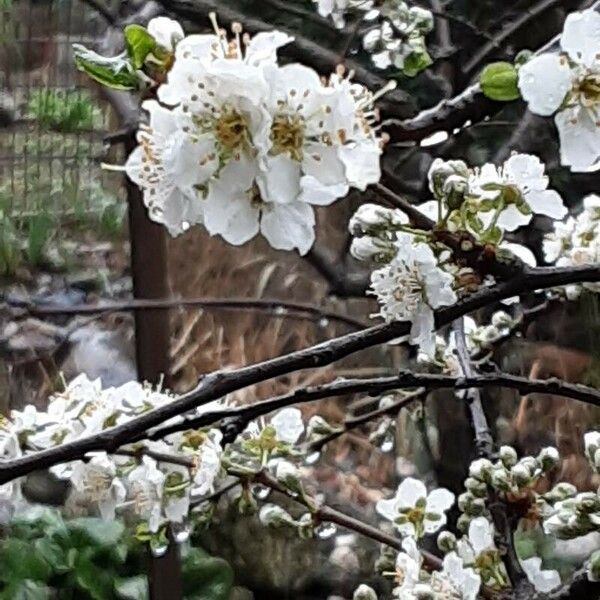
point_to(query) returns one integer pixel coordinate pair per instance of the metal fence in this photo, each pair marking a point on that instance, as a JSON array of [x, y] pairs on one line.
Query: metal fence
[[52, 121]]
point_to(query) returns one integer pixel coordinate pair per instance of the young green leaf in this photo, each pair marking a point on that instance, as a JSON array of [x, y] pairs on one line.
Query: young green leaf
[[115, 72], [139, 44]]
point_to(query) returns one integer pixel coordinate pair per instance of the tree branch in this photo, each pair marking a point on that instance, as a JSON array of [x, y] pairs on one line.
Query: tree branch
[[220, 383]]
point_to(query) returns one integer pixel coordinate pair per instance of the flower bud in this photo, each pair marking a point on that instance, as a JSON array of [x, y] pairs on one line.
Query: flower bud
[[446, 541], [288, 474], [421, 18], [521, 475], [548, 458], [481, 469], [439, 172], [561, 491], [372, 248], [588, 502], [593, 569], [364, 592], [500, 479], [476, 487], [275, 516], [463, 522], [371, 219], [508, 456], [501, 319], [454, 189], [318, 427]]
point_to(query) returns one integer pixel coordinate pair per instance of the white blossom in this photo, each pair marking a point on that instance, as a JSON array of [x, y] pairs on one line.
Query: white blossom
[[408, 566], [518, 188], [569, 85], [413, 511], [146, 483], [166, 32], [410, 287], [99, 482], [288, 425], [464, 579], [544, 580]]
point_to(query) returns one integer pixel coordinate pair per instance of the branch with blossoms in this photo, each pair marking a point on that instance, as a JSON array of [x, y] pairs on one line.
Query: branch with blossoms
[[243, 146]]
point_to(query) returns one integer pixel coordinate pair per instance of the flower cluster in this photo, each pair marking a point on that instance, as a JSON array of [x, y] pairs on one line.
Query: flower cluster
[[242, 145], [575, 242], [395, 33], [153, 480], [420, 271], [568, 85]]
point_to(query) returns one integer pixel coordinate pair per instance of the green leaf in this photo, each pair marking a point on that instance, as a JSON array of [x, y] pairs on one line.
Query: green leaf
[[96, 582], [416, 62], [205, 577], [103, 533], [115, 72], [139, 44], [20, 562], [499, 82], [27, 590], [132, 588], [52, 553]]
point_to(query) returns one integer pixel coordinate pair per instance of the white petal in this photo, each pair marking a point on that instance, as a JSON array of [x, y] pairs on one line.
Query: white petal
[[543, 580], [581, 36], [288, 425], [289, 226], [325, 177], [362, 163], [165, 31], [133, 165], [547, 202], [279, 179], [520, 251], [544, 81], [263, 47], [579, 139], [387, 508], [409, 491], [440, 500], [231, 215], [511, 218], [480, 535], [526, 170]]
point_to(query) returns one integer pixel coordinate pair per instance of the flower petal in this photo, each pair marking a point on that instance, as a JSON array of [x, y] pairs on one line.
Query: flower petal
[[581, 36], [579, 140], [410, 491], [289, 226], [547, 202], [440, 500], [231, 215], [279, 179], [544, 82]]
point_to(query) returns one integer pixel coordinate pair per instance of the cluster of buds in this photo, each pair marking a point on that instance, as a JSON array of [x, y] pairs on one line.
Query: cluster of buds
[[509, 476], [575, 516], [591, 441]]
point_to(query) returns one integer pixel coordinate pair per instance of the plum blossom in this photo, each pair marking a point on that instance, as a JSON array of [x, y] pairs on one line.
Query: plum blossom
[[146, 484], [99, 482], [568, 85], [544, 580], [464, 580], [408, 567], [413, 511], [166, 168], [336, 9], [517, 189], [410, 287], [288, 425], [166, 32]]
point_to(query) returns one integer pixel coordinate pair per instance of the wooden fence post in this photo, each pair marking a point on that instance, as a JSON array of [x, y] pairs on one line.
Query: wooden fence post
[[152, 337]]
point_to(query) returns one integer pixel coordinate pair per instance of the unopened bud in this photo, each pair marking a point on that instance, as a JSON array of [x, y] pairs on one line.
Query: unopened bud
[[275, 516], [421, 18], [364, 592], [371, 219], [561, 491], [521, 475], [593, 569], [454, 189], [548, 458], [476, 487], [481, 469], [371, 248], [508, 456], [318, 427], [501, 319], [441, 170], [446, 541], [500, 479]]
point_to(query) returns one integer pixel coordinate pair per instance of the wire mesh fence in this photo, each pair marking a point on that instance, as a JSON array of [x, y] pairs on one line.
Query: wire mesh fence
[[52, 122]]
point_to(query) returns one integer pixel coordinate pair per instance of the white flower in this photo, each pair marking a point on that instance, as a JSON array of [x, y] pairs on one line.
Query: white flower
[[336, 9], [288, 425], [99, 482], [544, 581], [480, 541], [410, 287], [413, 511], [464, 580], [166, 166], [568, 85], [166, 32], [408, 566], [146, 488], [371, 218], [209, 463], [520, 182]]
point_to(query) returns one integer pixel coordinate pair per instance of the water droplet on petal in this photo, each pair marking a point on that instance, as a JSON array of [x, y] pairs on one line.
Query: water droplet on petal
[[387, 444], [181, 532], [158, 551], [312, 458], [325, 530], [261, 491]]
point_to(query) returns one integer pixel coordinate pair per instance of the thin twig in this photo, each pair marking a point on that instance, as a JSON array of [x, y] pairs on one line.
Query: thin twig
[[220, 383]]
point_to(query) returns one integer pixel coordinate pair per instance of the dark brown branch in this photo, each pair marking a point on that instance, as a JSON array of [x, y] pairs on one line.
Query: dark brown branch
[[274, 307], [327, 514], [220, 383], [103, 10], [508, 30]]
